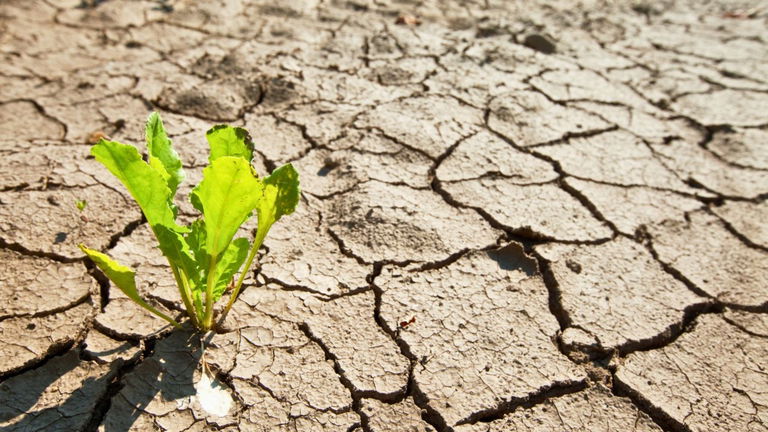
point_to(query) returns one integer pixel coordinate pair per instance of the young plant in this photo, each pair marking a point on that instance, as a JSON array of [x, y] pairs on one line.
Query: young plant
[[80, 204], [203, 256]]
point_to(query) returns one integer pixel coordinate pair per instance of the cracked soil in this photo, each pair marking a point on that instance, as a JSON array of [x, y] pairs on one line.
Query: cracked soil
[[516, 216]]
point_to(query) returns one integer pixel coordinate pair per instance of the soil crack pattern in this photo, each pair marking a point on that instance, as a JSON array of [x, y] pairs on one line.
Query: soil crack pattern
[[519, 215]]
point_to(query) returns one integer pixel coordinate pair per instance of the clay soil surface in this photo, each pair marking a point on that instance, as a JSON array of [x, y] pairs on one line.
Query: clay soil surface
[[516, 215]]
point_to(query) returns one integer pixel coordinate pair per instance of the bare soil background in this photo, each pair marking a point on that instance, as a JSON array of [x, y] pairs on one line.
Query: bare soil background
[[527, 216]]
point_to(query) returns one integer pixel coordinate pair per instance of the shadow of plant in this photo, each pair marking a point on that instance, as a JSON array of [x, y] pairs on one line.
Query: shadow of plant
[[169, 372], [83, 383]]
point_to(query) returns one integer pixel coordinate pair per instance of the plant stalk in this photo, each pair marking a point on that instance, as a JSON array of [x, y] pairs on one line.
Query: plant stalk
[[208, 319], [257, 241], [152, 309], [182, 282]]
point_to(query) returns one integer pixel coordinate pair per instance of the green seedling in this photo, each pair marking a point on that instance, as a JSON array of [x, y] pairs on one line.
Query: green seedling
[[204, 256], [80, 204]]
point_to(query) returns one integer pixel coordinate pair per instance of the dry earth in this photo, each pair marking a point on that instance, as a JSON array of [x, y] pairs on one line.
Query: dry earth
[[517, 216]]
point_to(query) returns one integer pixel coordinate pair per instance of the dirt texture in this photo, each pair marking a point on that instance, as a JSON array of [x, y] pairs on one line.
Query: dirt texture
[[528, 216]]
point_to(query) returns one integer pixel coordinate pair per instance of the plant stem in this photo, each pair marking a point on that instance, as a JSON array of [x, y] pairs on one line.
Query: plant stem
[[148, 307], [152, 309], [167, 318], [182, 283], [186, 295], [208, 319], [257, 241]]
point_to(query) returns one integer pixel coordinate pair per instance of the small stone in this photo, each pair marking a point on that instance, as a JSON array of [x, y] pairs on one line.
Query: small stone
[[539, 43]]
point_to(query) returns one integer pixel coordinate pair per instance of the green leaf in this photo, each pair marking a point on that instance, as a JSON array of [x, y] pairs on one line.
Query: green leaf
[[227, 195], [178, 251], [203, 257], [80, 204], [144, 183], [195, 200], [229, 264], [187, 269], [162, 157], [281, 196], [124, 278], [226, 267], [151, 192], [229, 141], [196, 240]]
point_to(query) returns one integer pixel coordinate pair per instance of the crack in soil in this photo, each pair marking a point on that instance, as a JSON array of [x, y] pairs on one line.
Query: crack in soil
[[362, 37]]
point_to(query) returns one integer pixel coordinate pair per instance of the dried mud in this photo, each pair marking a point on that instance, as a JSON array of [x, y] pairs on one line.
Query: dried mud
[[525, 216]]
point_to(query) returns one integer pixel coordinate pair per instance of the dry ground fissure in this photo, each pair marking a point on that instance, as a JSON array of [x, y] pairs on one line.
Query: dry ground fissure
[[523, 216]]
